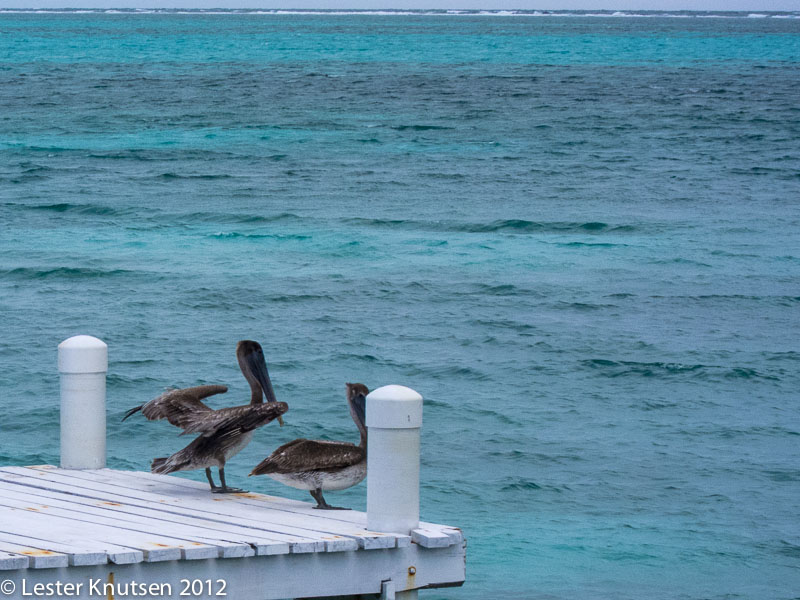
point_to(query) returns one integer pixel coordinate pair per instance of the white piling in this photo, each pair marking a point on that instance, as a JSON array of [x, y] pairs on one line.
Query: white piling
[[394, 418], [82, 364]]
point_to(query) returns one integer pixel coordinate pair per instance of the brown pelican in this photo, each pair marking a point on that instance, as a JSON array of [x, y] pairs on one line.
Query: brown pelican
[[223, 432], [317, 465]]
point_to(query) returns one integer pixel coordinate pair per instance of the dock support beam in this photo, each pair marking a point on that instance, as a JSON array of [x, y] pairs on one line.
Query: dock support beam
[[82, 365], [394, 418]]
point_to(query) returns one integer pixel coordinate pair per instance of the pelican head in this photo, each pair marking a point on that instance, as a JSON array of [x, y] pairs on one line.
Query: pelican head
[[254, 368], [357, 401]]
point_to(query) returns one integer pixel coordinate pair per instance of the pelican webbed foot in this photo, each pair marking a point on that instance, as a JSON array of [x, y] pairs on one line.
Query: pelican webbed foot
[[321, 504], [227, 490], [222, 489]]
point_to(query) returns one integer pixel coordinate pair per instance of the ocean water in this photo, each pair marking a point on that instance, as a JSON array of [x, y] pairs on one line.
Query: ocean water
[[576, 235]]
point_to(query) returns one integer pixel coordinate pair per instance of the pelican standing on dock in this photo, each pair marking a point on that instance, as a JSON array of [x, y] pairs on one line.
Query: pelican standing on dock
[[318, 465], [224, 432]]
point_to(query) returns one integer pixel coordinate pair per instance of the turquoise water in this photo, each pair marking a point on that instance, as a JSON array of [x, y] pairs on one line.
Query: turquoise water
[[576, 236]]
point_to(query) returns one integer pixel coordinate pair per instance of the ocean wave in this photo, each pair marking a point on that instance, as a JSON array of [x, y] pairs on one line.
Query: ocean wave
[[222, 299], [137, 362], [648, 405], [612, 368], [368, 358], [790, 355], [420, 127], [214, 305], [715, 298], [506, 289], [83, 209], [234, 218], [48, 149], [24, 459], [523, 226], [381, 222], [300, 298], [617, 368], [503, 324], [29, 168], [523, 484], [589, 245], [582, 306], [505, 419], [452, 372], [500, 226], [128, 154], [539, 457], [117, 379], [789, 549], [235, 235], [783, 474], [680, 261], [171, 176], [64, 273]]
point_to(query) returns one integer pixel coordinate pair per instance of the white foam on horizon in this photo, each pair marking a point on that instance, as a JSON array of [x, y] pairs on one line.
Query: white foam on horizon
[[410, 12]]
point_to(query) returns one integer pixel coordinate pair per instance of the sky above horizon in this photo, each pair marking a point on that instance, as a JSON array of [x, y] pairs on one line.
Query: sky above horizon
[[715, 5]]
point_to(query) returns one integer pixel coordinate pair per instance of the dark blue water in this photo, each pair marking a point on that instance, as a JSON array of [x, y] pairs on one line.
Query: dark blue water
[[576, 236]]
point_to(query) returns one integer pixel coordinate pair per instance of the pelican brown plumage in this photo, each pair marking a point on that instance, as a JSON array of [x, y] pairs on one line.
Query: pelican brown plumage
[[223, 432], [320, 465]]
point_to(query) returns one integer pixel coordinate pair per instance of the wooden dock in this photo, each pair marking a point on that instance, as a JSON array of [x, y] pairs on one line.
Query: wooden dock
[[84, 531], [87, 528]]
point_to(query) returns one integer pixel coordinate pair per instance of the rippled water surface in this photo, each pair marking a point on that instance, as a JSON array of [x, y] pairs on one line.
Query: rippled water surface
[[577, 237]]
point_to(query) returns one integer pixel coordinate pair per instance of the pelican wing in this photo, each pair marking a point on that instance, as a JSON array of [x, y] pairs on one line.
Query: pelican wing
[[236, 419], [182, 407], [310, 455]]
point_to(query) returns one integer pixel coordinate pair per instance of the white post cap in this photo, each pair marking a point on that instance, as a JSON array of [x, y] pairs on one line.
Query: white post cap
[[82, 354], [394, 407]]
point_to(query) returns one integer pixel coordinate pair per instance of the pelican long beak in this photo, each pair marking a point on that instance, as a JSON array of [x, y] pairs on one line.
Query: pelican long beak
[[259, 370]]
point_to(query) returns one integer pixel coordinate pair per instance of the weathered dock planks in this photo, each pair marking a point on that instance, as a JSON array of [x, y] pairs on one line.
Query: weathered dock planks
[[74, 520]]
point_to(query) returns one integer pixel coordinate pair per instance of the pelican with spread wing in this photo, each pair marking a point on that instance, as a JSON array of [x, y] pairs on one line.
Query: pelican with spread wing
[[320, 465], [223, 432]]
